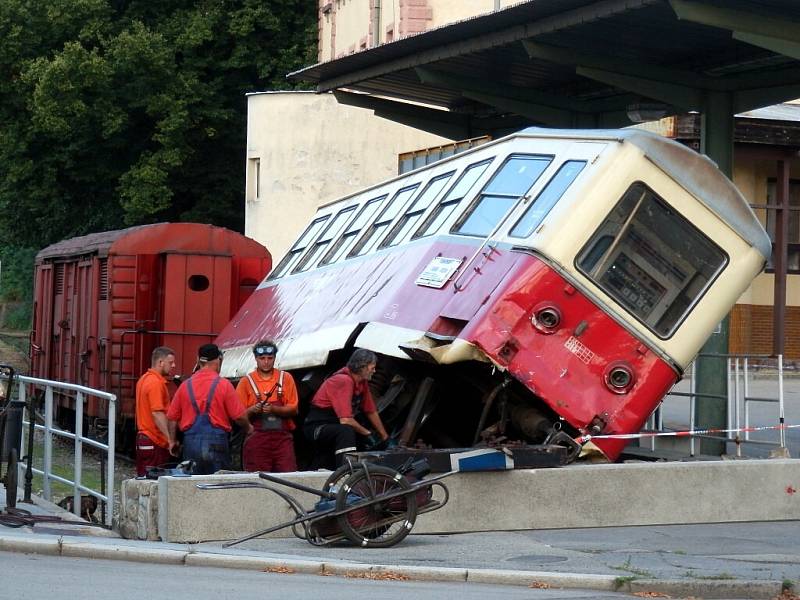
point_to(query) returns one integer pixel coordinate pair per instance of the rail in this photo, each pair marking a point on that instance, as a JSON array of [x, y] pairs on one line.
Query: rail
[[739, 401], [81, 394]]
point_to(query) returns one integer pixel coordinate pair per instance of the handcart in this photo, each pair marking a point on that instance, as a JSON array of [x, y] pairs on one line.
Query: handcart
[[365, 504]]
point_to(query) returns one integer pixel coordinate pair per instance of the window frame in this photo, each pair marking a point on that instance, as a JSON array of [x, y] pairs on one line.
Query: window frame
[[295, 252], [410, 212], [379, 222], [307, 262], [616, 240], [445, 201], [539, 195], [476, 201], [330, 256]]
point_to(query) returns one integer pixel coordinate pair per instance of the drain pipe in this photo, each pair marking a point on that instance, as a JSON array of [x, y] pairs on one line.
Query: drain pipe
[[376, 23]]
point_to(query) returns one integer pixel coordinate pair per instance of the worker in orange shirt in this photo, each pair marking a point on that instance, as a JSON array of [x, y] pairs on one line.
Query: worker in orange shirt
[[270, 398], [152, 401]]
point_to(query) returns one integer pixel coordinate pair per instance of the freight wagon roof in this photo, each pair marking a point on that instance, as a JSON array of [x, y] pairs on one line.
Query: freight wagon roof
[[157, 238]]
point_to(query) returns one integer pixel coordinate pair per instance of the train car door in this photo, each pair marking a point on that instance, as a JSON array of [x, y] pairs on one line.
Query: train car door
[[195, 303]]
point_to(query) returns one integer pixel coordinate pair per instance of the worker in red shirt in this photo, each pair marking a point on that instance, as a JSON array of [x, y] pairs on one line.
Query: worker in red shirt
[[332, 424], [270, 397], [203, 408], [152, 401]]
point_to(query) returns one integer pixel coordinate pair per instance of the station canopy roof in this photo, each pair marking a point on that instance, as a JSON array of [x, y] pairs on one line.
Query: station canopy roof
[[576, 63]]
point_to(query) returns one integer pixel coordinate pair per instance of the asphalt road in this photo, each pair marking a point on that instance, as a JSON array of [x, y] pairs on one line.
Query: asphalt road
[[36, 577]]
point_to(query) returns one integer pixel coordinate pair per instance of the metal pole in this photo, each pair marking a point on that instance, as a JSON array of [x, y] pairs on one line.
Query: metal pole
[[78, 474], [781, 419], [746, 396], [736, 398], [31, 433], [48, 440], [692, 392], [112, 427]]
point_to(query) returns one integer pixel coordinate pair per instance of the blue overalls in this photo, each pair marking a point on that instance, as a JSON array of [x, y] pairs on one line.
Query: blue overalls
[[204, 443]]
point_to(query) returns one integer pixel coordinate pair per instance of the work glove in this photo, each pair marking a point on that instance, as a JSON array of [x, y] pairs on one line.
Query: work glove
[[372, 441]]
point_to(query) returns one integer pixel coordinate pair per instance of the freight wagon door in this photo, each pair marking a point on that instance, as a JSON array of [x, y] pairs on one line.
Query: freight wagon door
[[196, 303]]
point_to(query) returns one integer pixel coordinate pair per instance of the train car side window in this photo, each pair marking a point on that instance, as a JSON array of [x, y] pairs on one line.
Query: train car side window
[[333, 229], [505, 188], [450, 202], [547, 198], [291, 258], [372, 236], [414, 213], [651, 260], [350, 235]]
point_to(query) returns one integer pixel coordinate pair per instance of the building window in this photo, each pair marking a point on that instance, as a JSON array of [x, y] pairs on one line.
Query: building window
[[254, 179], [793, 237]]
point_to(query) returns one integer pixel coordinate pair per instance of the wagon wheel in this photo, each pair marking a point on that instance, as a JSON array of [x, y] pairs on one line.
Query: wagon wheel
[[378, 523], [11, 479]]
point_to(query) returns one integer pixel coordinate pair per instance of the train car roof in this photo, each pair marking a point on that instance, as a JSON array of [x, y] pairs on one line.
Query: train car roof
[[701, 178], [156, 238]]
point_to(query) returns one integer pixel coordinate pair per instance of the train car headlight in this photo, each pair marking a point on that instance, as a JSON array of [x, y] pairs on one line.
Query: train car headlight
[[619, 378], [546, 318]]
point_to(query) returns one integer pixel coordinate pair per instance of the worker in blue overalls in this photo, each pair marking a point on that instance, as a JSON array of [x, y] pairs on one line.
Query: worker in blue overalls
[[203, 408]]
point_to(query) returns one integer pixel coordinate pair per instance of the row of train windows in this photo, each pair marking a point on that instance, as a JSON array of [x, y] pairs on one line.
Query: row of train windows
[[380, 224]]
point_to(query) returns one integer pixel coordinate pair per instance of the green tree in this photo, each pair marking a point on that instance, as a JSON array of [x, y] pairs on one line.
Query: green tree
[[121, 112]]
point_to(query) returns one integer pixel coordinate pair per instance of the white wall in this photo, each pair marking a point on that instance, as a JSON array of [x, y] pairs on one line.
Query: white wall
[[312, 150]]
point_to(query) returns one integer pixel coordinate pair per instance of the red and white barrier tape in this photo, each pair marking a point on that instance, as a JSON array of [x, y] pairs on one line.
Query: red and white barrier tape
[[632, 436]]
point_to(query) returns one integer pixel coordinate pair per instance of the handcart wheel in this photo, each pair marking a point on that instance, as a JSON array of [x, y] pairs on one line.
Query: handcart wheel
[[11, 479], [376, 523]]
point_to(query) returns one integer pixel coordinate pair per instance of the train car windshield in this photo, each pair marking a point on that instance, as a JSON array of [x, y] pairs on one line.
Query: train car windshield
[[651, 260], [290, 260], [547, 198], [509, 183]]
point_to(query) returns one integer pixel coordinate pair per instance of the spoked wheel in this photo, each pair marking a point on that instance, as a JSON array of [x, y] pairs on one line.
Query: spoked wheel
[[11, 479], [376, 523]]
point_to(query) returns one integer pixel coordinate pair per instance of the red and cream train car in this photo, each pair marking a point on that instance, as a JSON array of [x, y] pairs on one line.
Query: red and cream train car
[[549, 277], [103, 301]]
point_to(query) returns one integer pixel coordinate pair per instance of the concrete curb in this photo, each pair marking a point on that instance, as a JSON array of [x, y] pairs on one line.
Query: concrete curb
[[720, 588], [61, 546]]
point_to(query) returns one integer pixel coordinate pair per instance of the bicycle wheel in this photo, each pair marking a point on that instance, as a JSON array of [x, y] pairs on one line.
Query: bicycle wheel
[[374, 522]]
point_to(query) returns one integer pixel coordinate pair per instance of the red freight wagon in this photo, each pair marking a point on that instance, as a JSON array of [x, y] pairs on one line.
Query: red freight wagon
[[103, 301]]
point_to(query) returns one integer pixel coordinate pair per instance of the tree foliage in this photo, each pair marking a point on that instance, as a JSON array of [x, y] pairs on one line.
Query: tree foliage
[[121, 112]]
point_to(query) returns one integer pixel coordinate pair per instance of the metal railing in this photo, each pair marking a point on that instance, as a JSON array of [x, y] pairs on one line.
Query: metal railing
[[738, 400], [78, 394]]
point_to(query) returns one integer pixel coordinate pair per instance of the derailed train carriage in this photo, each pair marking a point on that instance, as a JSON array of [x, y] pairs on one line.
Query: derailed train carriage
[[550, 279]]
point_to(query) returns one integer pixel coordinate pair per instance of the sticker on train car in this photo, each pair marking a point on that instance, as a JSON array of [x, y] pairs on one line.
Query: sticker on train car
[[438, 272]]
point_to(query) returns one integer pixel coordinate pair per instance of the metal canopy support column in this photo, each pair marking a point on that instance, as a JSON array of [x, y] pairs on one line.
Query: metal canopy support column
[[780, 257], [711, 374]]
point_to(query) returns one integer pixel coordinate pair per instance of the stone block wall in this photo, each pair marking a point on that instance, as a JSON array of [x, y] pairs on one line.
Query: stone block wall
[[138, 513]]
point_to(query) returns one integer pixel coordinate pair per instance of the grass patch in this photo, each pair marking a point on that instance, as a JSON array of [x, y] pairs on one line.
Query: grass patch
[[622, 581], [626, 566]]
